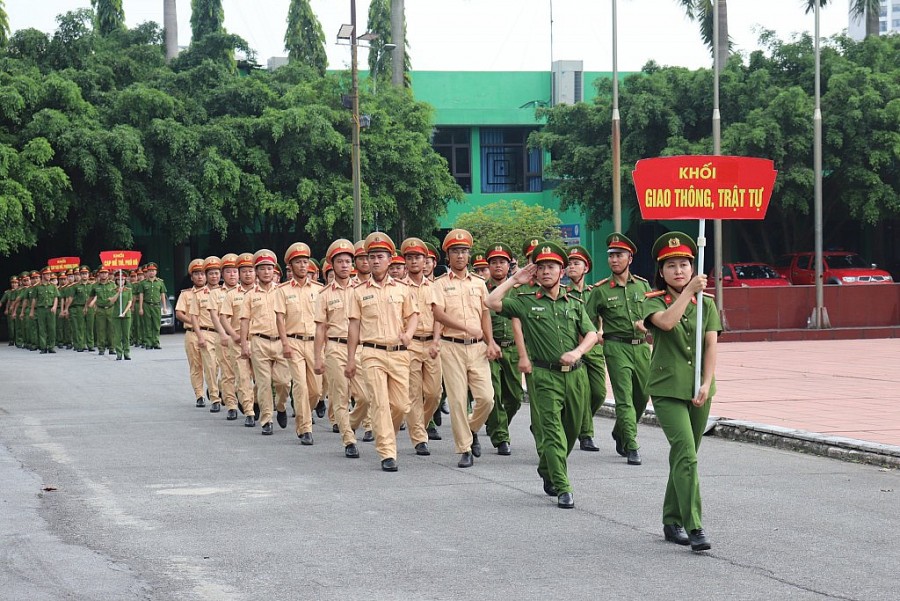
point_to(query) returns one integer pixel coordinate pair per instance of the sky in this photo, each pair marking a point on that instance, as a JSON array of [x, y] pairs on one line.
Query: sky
[[491, 35]]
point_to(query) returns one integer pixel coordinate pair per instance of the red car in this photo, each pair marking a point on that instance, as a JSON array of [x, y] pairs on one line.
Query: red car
[[838, 267], [746, 275]]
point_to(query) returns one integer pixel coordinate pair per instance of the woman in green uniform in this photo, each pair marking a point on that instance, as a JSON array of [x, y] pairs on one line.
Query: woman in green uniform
[[671, 315]]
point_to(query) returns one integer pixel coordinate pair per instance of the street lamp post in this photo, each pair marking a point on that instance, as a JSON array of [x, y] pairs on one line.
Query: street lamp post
[[616, 131], [387, 48]]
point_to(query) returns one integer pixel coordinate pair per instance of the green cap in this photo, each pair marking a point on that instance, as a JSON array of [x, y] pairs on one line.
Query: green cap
[[549, 251]]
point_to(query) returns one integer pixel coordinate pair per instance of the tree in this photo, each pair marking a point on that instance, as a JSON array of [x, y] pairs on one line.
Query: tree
[[702, 11], [304, 38], [109, 16], [380, 61], [870, 10], [4, 26], [207, 17], [511, 222]]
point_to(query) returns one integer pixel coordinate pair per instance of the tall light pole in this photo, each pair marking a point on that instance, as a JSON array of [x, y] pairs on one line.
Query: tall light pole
[[616, 131], [820, 315], [717, 150], [374, 74], [398, 38], [170, 28]]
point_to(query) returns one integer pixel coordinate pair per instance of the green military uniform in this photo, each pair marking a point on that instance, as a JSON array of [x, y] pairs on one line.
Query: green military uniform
[[671, 386], [90, 320], [627, 352], [6, 301], [152, 290], [19, 300], [137, 320], [557, 393], [103, 316], [46, 296], [505, 375], [31, 326], [80, 294], [120, 326], [62, 329]]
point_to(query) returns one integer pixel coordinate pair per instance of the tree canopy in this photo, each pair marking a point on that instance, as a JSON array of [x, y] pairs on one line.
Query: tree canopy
[[510, 222], [304, 38], [767, 109]]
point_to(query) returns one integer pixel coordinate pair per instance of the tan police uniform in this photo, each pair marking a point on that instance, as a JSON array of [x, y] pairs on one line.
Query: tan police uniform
[[259, 331], [191, 348], [463, 358], [383, 311], [204, 302], [230, 309], [225, 347]]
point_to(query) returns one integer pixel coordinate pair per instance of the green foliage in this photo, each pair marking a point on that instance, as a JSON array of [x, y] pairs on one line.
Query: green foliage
[[767, 109], [108, 16], [511, 222], [304, 38], [207, 17], [4, 26], [381, 61]]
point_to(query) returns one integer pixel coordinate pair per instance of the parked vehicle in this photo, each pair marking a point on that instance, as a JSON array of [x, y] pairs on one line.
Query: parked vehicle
[[749, 275], [838, 267], [167, 318]]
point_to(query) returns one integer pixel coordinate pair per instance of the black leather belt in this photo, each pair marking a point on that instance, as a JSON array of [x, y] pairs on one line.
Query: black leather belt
[[207, 329], [385, 347], [272, 338], [423, 338], [465, 341], [505, 343], [634, 341], [557, 366], [301, 337], [335, 339]]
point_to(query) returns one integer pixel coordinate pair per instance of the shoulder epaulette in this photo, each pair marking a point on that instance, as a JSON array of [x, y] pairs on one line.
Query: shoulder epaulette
[[637, 277], [709, 295], [283, 284], [654, 293], [400, 282], [601, 282], [472, 273], [441, 277], [186, 290], [527, 292], [319, 284]]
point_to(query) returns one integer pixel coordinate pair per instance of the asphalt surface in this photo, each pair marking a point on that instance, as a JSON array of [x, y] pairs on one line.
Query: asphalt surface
[[152, 498]]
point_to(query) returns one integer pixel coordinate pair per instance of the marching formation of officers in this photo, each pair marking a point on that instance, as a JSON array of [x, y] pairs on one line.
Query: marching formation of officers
[[83, 310]]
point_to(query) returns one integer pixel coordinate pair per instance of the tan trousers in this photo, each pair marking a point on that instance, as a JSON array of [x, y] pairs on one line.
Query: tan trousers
[[340, 389], [424, 390], [387, 380], [211, 366], [301, 365], [270, 369], [195, 364], [466, 368], [226, 365], [243, 375]]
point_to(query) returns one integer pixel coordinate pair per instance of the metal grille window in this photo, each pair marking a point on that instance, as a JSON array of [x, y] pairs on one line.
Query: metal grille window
[[455, 145], [507, 164]]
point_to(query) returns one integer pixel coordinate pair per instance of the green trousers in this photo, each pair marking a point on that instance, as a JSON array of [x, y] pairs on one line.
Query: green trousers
[[31, 331], [683, 424], [77, 323], [596, 375], [120, 332], [46, 326], [629, 368], [20, 331], [507, 383], [557, 400], [90, 327], [151, 324], [11, 328], [103, 328]]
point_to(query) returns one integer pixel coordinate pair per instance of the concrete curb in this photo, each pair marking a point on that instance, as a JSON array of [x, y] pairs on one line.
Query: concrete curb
[[813, 443]]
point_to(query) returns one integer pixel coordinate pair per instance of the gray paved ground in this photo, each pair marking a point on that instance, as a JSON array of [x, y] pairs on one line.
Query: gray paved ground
[[156, 499]]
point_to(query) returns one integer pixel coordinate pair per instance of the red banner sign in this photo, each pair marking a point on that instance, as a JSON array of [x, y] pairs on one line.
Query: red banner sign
[[120, 259], [64, 263], [704, 187]]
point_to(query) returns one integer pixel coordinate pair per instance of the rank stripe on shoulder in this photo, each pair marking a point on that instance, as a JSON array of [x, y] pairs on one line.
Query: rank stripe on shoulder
[[654, 293]]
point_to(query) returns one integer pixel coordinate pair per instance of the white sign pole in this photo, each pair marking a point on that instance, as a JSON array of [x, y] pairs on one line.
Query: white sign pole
[[698, 339]]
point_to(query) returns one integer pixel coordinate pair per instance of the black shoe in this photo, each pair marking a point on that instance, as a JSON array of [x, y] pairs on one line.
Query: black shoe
[[465, 460], [256, 411], [549, 489], [698, 540], [215, 407], [267, 429], [402, 425], [51, 350], [445, 409], [620, 448], [389, 465], [422, 449], [43, 352], [118, 357], [476, 446], [306, 439], [587, 444], [634, 458], [437, 418], [232, 415], [433, 434], [675, 533], [81, 350], [249, 422], [335, 429], [565, 501], [351, 451], [503, 449], [127, 357], [368, 436], [281, 417], [320, 408], [201, 402]]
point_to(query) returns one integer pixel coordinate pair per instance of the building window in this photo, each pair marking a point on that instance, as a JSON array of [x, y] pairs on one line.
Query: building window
[[455, 145], [507, 164]]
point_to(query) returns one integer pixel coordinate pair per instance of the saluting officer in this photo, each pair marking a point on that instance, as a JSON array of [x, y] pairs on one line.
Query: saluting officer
[[424, 365], [617, 304], [191, 344], [295, 320], [260, 341], [558, 333], [671, 313], [580, 264], [383, 317], [332, 324], [459, 307]]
